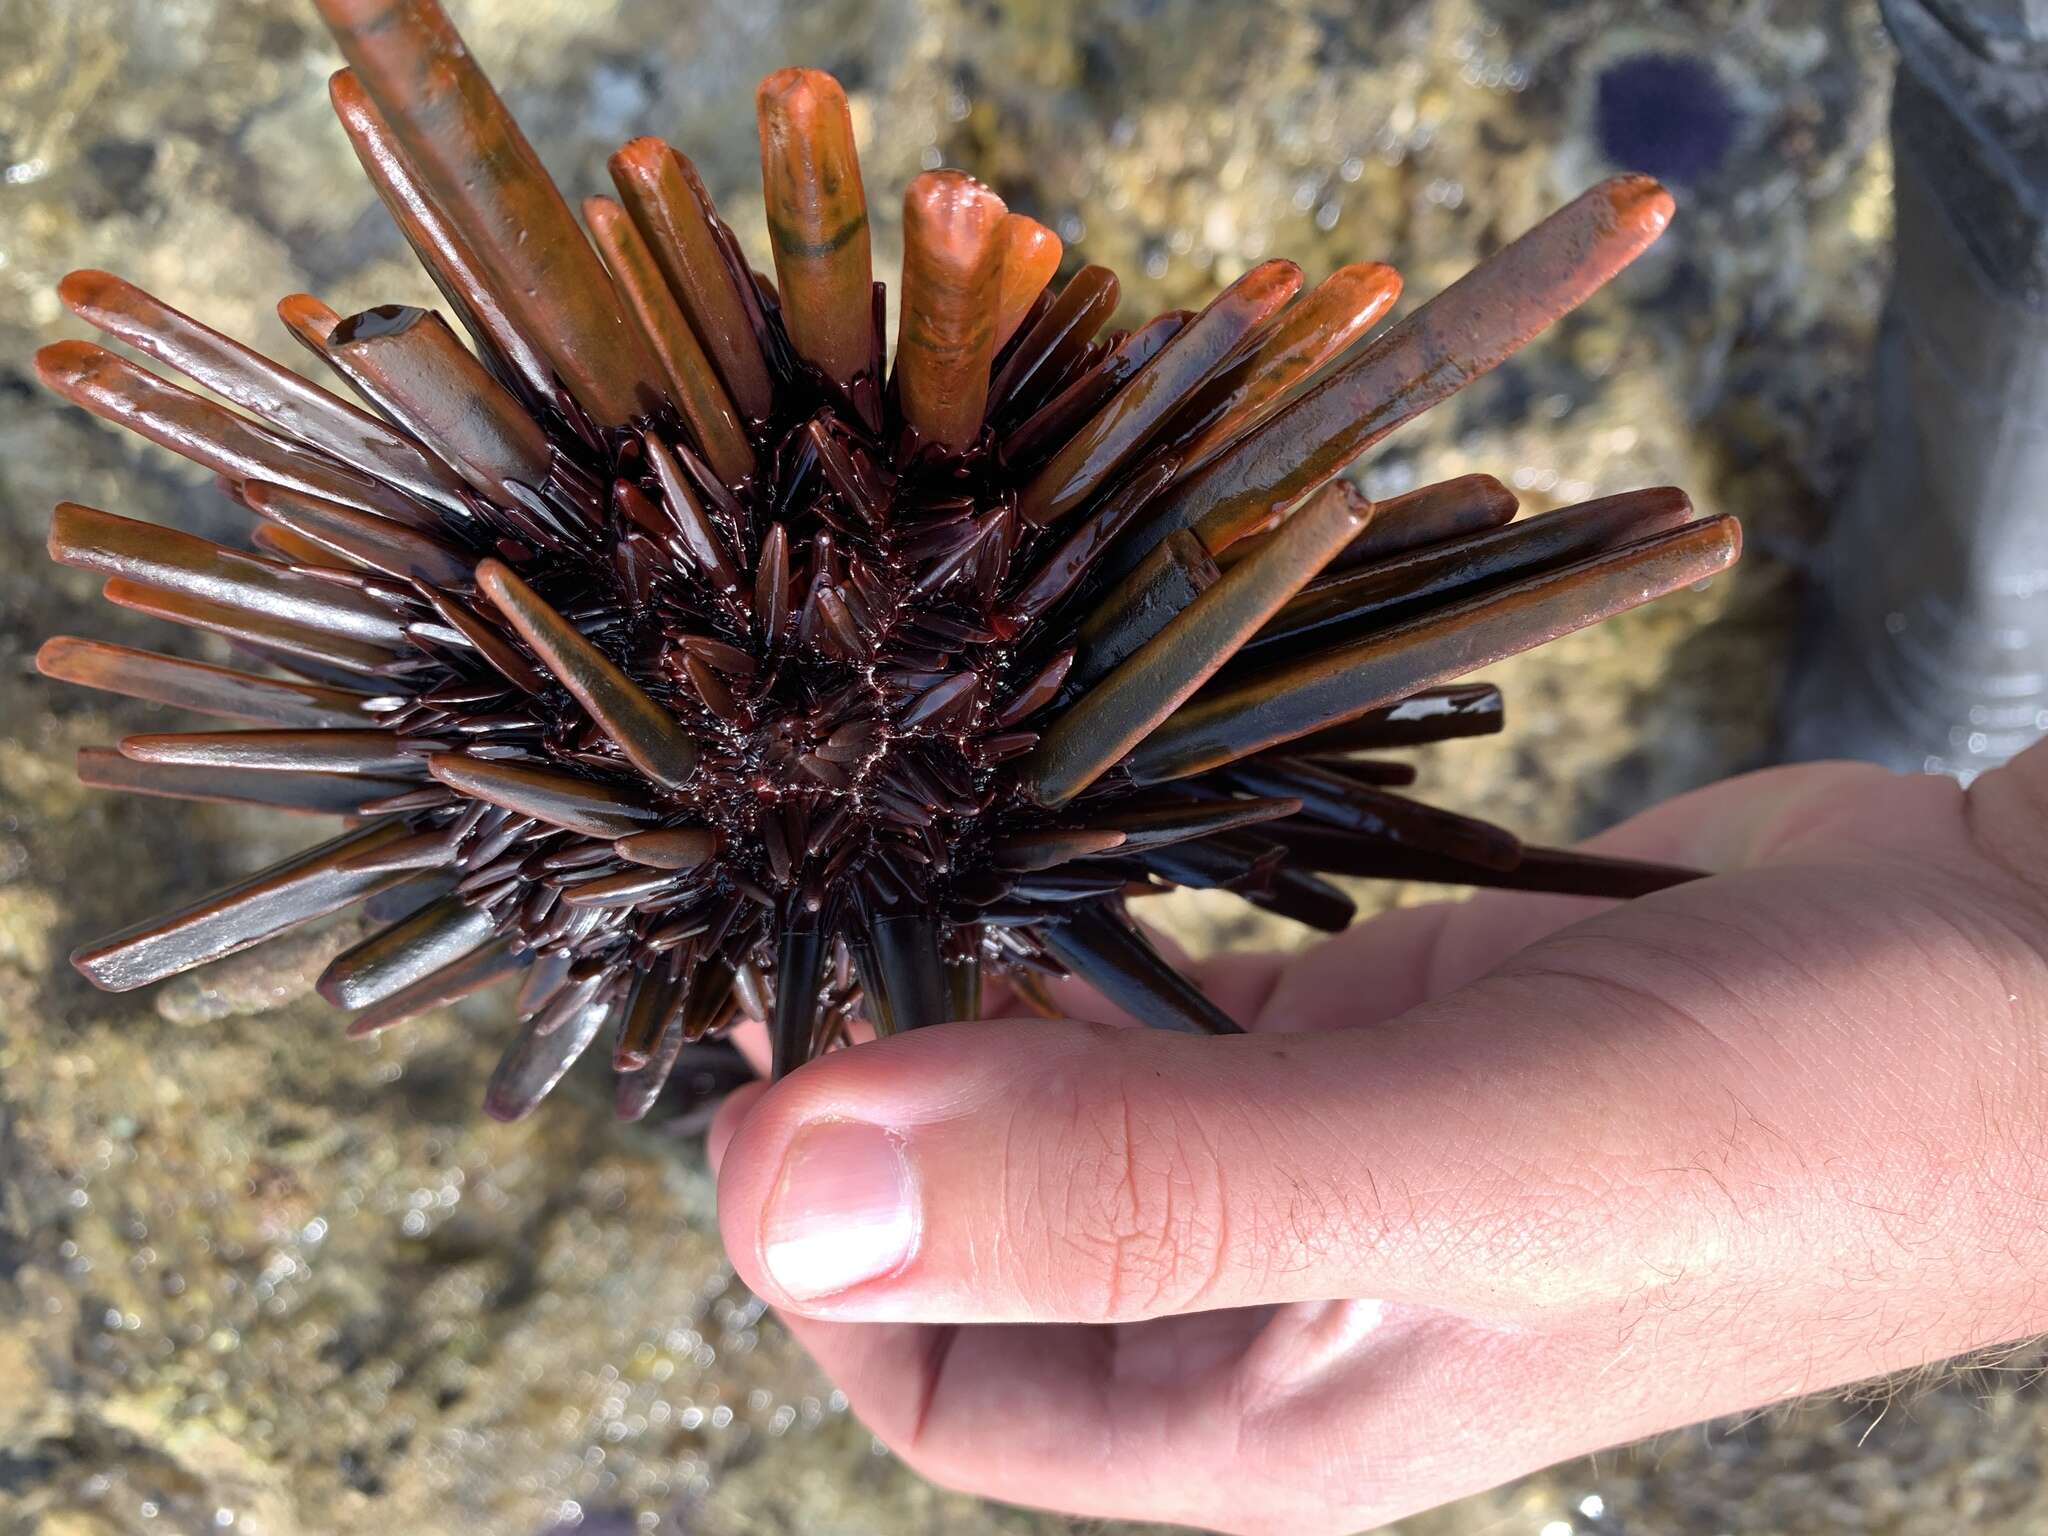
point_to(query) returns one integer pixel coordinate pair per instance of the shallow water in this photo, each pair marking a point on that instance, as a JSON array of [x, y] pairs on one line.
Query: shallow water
[[255, 1277]]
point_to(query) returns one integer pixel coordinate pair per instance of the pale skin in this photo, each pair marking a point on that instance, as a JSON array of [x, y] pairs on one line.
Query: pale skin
[[1487, 1185]]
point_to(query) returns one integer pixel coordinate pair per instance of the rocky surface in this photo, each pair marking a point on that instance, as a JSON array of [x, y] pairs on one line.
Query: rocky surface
[[256, 1277]]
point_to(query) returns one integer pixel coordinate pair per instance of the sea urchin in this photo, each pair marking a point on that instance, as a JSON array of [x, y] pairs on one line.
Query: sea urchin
[[666, 648]]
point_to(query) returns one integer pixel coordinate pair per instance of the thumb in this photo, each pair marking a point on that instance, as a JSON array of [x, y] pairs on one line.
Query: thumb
[[1018, 1170], [1055, 1171]]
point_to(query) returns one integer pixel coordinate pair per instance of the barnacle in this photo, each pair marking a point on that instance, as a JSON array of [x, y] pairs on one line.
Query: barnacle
[[665, 647]]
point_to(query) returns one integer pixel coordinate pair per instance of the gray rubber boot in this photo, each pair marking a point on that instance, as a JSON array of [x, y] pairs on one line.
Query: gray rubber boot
[[1928, 647]]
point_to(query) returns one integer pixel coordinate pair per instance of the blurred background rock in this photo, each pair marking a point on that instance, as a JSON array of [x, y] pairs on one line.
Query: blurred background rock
[[256, 1277]]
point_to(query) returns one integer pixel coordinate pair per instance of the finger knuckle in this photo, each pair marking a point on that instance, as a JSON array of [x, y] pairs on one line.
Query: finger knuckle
[[2005, 813], [1124, 1192]]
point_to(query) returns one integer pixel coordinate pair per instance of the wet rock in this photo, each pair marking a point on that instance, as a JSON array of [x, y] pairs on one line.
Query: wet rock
[[257, 1277]]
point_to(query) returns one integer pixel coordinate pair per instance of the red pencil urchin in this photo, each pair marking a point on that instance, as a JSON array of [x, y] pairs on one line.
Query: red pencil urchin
[[664, 648]]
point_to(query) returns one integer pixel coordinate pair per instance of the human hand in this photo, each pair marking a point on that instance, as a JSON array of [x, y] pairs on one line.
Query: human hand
[[1487, 1185]]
